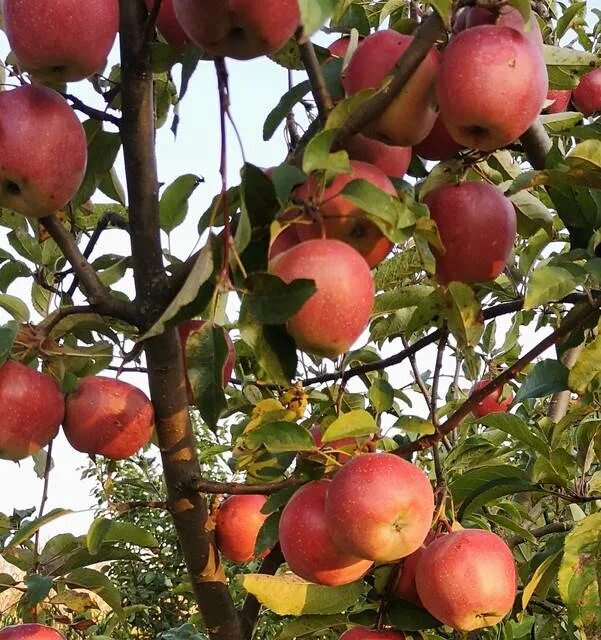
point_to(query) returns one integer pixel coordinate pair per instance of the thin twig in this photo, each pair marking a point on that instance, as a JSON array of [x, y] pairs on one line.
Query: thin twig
[[322, 96], [47, 469], [236, 488], [95, 114]]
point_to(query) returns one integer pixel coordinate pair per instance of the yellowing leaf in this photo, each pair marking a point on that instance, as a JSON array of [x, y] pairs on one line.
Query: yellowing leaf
[[353, 424]]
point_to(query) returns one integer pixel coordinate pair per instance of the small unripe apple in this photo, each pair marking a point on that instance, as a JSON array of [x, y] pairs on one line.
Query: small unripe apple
[[411, 115], [43, 151], [587, 95], [184, 331], [379, 507], [339, 218], [467, 579], [438, 144], [61, 40], [169, 26], [363, 633], [240, 29], [392, 161], [338, 312], [108, 417], [477, 226], [491, 403], [239, 520], [306, 544], [491, 86], [29, 632], [33, 407]]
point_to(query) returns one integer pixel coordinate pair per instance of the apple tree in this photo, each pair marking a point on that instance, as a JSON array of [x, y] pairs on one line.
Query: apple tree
[[367, 405]]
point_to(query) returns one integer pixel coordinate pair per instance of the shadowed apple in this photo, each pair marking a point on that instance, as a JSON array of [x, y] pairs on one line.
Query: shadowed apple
[[363, 633], [587, 95], [491, 403], [391, 160], [438, 144], [169, 26]]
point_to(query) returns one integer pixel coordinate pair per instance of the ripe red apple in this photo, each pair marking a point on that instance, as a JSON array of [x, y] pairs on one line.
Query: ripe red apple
[[62, 40], [380, 507], [335, 316], [184, 331], [587, 95], [108, 417], [491, 86], [339, 47], [30, 632], [307, 545], [391, 160], [467, 579], [477, 225], [337, 217], [43, 149], [404, 586], [491, 403], [33, 408], [363, 633], [169, 26], [239, 520], [561, 99], [411, 116], [240, 29], [438, 144]]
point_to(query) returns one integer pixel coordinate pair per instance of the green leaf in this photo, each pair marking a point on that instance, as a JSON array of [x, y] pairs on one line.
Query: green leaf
[[288, 595], [267, 537], [587, 367], [103, 530], [38, 588], [473, 479], [8, 333], [283, 108], [311, 625], [580, 576], [491, 491], [173, 205], [317, 155], [271, 301], [74, 600], [545, 378], [565, 64], [15, 307], [280, 437], [206, 353], [29, 529], [99, 584], [464, 314], [353, 424], [516, 427], [523, 6], [409, 617], [314, 14], [381, 395], [444, 8], [549, 565], [551, 282], [415, 424]]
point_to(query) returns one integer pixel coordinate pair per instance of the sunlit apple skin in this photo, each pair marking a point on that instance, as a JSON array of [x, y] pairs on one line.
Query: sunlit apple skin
[[391, 160], [239, 520], [477, 226], [411, 116], [62, 40], [491, 86], [108, 417], [241, 29], [336, 217], [379, 507], [184, 331], [587, 95], [438, 144], [33, 408], [306, 544], [30, 632], [335, 316], [491, 403], [43, 151], [467, 579], [169, 25], [363, 633]]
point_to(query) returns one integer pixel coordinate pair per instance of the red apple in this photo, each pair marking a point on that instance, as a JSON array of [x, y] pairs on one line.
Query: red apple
[[43, 149], [339, 47], [438, 144], [108, 417], [337, 314], [184, 331], [61, 40], [33, 408], [169, 26], [404, 586], [240, 29], [286, 239], [411, 116], [337, 217], [30, 632], [380, 507], [467, 579], [239, 520], [391, 160], [491, 86], [306, 544], [587, 95], [363, 633], [561, 99], [491, 403], [477, 225]]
